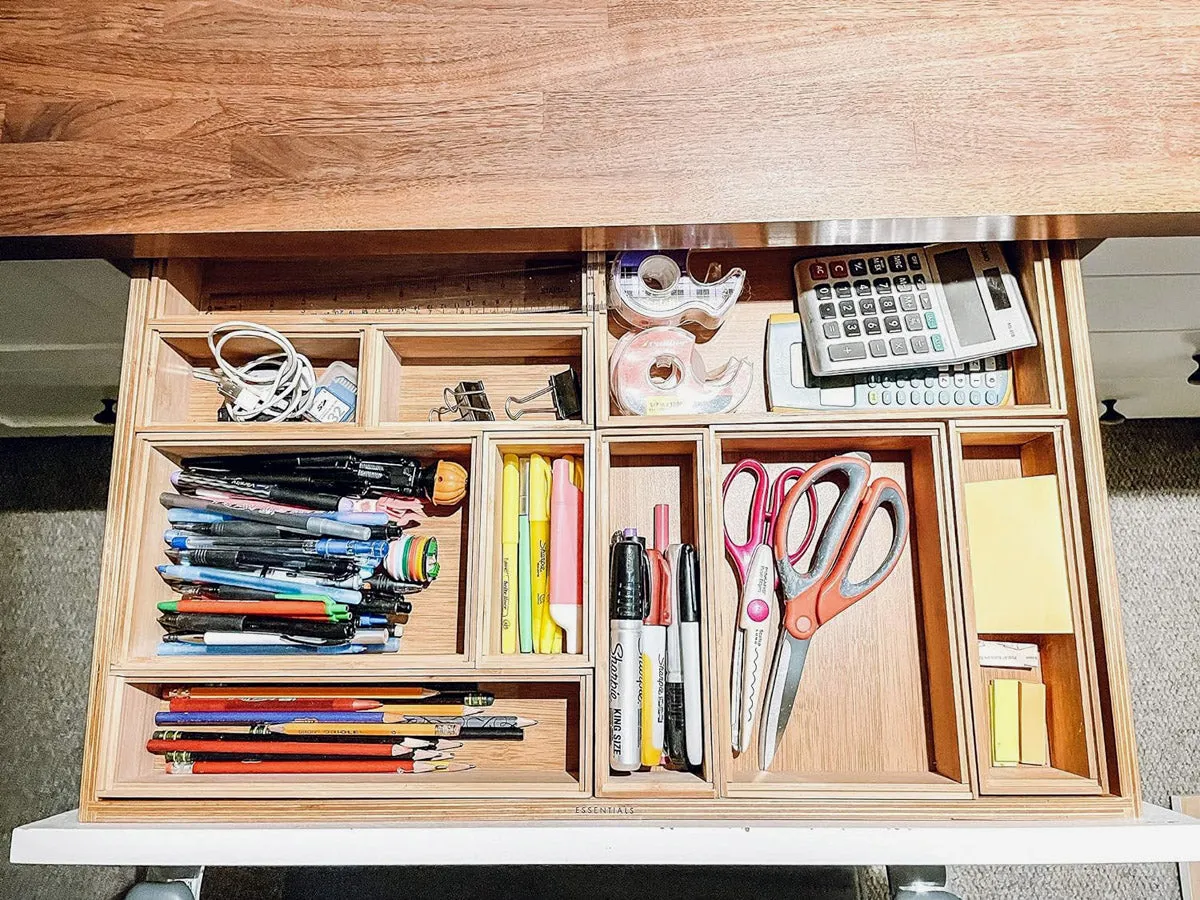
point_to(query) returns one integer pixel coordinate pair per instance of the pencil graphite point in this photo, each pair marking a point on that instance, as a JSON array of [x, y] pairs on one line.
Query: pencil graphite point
[[421, 767]]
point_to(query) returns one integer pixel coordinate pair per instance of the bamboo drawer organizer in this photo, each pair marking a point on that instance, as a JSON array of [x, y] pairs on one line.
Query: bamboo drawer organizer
[[891, 720]]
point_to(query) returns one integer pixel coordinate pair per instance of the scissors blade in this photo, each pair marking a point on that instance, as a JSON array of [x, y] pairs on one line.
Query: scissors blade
[[735, 692], [786, 669]]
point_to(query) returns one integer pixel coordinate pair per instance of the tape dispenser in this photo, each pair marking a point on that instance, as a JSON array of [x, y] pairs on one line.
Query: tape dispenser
[[660, 372], [648, 288]]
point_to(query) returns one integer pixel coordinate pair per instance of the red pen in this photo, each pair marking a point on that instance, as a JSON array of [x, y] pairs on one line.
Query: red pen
[[314, 767], [271, 704], [654, 643]]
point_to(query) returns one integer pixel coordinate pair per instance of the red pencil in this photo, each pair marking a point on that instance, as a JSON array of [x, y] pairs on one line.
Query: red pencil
[[314, 767], [274, 704], [285, 748]]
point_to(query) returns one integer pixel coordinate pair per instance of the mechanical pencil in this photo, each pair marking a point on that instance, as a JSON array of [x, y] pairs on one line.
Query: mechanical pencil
[[205, 575], [198, 522], [310, 523]]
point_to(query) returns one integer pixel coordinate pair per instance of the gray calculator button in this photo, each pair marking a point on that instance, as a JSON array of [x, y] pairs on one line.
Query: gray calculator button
[[990, 380], [989, 364], [919, 282], [891, 324], [913, 322], [846, 307], [976, 380], [976, 398], [926, 303], [960, 380], [862, 288], [878, 349], [873, 397], [929, 398], [943, 381], [903, 283], [930, 381], [944, 397], [867, 306], [908, 304], [901, 398], [920, 344], [992, 398], [831, 330], [887, 398], [887, 304], [901, 381], [871, 326], [899, 347], [852, 328], [960, 397], [914, 398], [842, 289], [974, 366], [848, 350], [823, 292], [959, 367], [883, 285], [827, 310]]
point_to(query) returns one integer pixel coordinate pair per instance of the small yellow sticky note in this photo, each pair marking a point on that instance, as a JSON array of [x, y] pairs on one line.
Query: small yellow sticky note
[[1018, 560], [1033, 723], [1006, 742]]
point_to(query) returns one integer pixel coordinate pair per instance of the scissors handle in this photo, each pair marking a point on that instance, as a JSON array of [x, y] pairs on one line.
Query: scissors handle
[[787, 477], [757, 526], [815, 596]]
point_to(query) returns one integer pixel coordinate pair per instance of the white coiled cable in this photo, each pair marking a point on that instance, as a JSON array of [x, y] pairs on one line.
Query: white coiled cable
[[277, 385]]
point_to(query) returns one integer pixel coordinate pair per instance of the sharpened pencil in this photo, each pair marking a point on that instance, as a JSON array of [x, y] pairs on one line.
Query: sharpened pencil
[[315, 767]]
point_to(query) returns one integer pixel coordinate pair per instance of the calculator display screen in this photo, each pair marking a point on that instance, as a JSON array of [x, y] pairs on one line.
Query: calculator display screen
[[963, 299]]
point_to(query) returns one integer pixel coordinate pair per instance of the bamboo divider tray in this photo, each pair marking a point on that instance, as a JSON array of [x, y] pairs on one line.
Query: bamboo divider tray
[[891, 720]]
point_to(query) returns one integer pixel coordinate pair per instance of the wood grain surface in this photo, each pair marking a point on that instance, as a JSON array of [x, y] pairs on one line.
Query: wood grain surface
[[176, 117]]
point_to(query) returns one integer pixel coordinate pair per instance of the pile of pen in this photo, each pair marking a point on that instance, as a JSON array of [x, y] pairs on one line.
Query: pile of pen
[[541, 569], [325, 730], [654, 687], [298, 554]]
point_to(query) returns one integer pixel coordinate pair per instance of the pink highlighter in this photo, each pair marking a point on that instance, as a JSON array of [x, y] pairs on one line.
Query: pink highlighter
[[566, 554]]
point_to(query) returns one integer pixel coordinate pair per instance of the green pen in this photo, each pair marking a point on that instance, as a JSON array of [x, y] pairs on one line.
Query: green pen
[[273, 604], [524, 571]]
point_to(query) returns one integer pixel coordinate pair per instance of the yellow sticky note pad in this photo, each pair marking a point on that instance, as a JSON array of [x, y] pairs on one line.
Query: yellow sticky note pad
[[1033, 723], [1018, 561], [1005, 705]]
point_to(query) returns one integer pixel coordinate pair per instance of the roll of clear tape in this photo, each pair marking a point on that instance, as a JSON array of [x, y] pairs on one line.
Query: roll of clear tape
[[660, 372]]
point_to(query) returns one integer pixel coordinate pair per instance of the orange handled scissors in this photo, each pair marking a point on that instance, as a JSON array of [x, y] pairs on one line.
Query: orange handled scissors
[[813, 597]]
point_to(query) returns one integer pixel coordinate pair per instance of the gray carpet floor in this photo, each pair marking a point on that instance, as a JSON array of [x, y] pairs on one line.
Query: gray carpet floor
[[52, 494]]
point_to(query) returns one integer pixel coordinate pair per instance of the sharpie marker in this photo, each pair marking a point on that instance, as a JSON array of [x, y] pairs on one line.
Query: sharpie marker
[[311, 524], [674, 740], [191, 482], [628, 580], [689, 640]]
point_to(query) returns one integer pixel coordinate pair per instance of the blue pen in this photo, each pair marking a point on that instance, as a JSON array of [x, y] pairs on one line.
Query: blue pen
[[194, 517], [369, 620], [208, 575], [269, 718], [165, 649], [200, 516], [366, 550]]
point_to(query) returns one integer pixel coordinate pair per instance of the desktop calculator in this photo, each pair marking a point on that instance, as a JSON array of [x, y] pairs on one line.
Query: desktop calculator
[[792, 385], [917, 307]]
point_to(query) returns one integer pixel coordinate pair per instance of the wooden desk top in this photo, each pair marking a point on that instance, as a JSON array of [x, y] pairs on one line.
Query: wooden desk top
[[168, 117]]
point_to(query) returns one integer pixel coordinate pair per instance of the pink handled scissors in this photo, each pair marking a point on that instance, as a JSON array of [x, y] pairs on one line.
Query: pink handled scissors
[[754, 562]]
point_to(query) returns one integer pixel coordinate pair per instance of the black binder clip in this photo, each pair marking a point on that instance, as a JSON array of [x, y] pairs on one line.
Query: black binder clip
[[564, 394], [468, 400]]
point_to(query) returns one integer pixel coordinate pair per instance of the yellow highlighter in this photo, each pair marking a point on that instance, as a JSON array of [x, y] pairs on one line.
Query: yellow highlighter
[[510, 509], [539, 550]]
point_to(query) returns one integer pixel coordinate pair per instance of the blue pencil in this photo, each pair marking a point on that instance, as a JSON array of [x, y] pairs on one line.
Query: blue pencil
[[269, 718]]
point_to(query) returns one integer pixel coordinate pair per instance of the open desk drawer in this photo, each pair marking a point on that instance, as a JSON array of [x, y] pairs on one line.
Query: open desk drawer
[[891, 719]]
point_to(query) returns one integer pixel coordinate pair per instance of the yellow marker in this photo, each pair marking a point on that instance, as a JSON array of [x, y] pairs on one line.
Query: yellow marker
[[510, 508], [539, 539]]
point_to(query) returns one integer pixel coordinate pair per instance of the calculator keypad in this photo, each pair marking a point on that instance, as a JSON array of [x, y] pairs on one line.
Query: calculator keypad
[[884, 295], [940, 386]]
